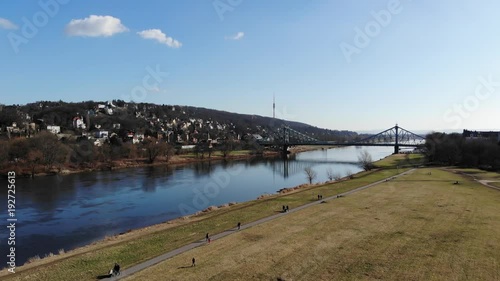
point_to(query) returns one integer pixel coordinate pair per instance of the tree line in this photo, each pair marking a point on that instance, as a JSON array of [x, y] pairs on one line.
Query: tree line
[[45, 153], [455, 149]]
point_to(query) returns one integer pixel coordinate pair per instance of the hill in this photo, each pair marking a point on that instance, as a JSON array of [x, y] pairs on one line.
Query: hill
[[182, 123]]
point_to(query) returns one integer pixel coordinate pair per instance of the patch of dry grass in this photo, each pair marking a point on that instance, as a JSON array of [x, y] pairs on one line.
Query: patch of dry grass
[[479, 174], [417, 227]]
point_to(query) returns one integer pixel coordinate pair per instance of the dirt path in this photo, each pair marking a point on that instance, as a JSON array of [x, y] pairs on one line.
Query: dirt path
[[136, 268], [486, 183], [483, 182]]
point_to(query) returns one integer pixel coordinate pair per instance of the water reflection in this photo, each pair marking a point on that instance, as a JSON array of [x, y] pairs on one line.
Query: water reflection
[[69, 211], [203, 169]]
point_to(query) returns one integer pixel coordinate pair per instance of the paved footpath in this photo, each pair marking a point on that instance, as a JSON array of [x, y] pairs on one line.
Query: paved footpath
[[136, 268]]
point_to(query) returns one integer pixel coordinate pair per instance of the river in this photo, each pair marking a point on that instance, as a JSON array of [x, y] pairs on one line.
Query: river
[[65, 212]]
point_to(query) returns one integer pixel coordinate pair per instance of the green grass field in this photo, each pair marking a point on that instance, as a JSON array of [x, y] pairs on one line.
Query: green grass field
[[418, 227]]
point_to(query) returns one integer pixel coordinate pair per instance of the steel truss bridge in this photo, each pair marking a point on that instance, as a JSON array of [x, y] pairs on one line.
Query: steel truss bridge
[[396, 136]]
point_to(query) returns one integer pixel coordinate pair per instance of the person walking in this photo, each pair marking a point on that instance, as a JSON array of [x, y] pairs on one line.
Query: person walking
[[206, 238], [116, 269], [239, 225], [194, 262]]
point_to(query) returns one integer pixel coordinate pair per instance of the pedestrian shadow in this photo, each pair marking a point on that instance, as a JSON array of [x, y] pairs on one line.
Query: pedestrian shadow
[[184, 267], [105, 276]]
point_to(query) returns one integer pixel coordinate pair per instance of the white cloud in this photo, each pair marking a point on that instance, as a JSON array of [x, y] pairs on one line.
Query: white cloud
[[237, 36], [158, 35], [95, 26], [7, 24]]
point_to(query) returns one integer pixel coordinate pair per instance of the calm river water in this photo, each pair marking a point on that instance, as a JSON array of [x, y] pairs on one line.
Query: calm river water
[[64, 212]]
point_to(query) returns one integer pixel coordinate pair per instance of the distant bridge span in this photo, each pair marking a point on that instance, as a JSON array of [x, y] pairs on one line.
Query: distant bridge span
[[395, 136]]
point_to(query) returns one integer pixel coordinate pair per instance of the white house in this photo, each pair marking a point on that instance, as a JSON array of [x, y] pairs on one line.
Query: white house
[[78, 123], [101, 134], [54, 129], [137, 138]]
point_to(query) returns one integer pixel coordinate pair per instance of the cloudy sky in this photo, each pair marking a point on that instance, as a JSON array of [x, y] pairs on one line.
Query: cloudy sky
[[357, 65]]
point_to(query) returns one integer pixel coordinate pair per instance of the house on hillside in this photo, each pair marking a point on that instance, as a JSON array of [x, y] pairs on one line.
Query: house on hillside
[[481, 135], [137, 138], [101, 134], [78, 123], [54, 129]]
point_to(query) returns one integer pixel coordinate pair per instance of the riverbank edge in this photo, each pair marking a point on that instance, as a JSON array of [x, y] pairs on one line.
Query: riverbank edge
[[177, 161], [212, 211]]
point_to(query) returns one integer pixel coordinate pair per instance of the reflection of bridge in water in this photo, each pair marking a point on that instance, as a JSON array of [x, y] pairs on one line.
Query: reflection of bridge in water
[[293, 167]]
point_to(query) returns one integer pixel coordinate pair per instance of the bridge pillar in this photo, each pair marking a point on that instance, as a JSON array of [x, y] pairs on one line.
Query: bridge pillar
[[396, 145], [284, 150], [396, 149]]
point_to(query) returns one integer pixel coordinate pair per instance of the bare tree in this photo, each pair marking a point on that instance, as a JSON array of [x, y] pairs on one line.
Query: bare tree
[[104, 153], [210, 150], [50, 147], [34, 158], [227, 147], [154, 149], [310, 174], [4, 153], [365, 160], [199, 151], [333, 175], [18, 149], [330, 174], [169, 151], [82, 153]]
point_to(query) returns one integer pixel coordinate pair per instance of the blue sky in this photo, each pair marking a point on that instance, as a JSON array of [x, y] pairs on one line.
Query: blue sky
[[356, 65]]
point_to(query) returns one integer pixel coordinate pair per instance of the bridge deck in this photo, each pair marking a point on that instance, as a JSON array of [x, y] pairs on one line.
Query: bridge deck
[[328, 143]]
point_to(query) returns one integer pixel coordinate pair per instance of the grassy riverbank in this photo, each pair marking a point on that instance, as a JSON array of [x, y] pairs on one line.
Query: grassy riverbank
[[419, 226], [137, 246]]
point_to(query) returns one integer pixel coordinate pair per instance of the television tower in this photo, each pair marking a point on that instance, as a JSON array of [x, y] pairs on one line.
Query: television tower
[[274, 107]]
